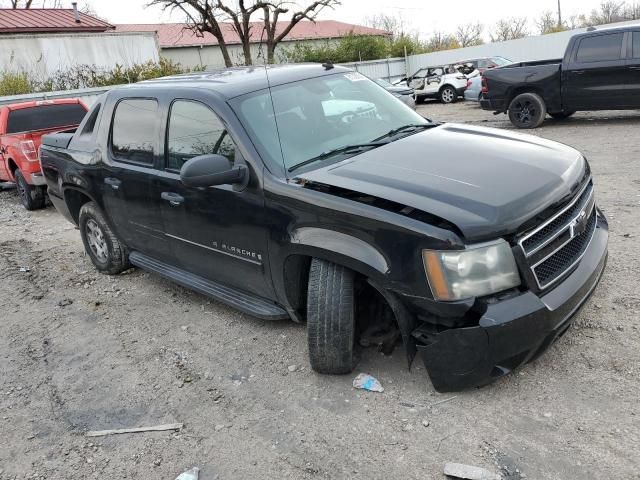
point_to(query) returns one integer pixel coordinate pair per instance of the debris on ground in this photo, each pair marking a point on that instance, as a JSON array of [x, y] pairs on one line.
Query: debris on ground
[[468, 472], [292, 368], [25, 269], [65, 302], [364, 381], [157, 428], [192, 474]]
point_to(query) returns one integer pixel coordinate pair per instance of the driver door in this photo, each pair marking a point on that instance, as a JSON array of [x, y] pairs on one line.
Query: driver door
[[218, 232]]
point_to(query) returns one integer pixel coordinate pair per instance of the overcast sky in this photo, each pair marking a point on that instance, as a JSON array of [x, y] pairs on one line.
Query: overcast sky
[[423, 16]]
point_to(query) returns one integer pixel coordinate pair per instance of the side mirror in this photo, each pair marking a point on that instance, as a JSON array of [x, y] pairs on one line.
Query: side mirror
[[210, 170]]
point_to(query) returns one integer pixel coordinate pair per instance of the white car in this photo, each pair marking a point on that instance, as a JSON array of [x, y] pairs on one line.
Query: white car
[[445, 83]]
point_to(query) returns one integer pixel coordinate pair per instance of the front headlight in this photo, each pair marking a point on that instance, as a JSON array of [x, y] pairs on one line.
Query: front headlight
[[474, 272]]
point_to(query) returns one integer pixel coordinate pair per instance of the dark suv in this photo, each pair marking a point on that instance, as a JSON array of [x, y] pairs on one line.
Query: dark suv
[[309, 192]]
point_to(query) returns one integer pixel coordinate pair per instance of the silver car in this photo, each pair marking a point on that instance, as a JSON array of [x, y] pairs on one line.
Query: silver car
[[473, 92], [401, 92]]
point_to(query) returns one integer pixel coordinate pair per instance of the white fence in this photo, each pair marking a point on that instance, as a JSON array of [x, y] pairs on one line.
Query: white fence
[[389, 69]]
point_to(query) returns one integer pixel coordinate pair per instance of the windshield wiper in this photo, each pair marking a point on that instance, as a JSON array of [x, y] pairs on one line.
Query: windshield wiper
[[337, 151], [412, 127]]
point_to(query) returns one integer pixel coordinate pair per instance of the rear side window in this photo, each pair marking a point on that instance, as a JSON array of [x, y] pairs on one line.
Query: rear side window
[[134, 131], [601, 48], [195, 130], [636, 44], [45, 117]]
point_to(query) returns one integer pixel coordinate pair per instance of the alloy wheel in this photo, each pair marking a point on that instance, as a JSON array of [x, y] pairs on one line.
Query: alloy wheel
[[97, 241]]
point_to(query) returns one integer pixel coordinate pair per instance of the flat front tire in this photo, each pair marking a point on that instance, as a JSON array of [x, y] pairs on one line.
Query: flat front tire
[[102, 245], [330, 317], [527, 110], [32, 197]]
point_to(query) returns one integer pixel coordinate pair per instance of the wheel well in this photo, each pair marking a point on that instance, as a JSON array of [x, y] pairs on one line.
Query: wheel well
[[445, 86], [373, 314], [75, 200], [517, 91], [13, 166]]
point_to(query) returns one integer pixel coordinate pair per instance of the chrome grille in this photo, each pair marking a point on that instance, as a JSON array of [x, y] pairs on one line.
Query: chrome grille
[[557, 245]]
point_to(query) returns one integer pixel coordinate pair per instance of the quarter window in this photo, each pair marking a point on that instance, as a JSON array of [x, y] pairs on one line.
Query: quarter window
[[195, 130], [636, 44], [135, 130], [600, 48]]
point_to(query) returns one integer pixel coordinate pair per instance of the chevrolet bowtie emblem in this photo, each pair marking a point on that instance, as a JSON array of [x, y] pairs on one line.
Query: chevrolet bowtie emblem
[[577, 226]]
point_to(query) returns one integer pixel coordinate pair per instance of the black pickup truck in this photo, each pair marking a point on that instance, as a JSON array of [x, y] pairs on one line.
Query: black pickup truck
[[309, 192], [600, 71]]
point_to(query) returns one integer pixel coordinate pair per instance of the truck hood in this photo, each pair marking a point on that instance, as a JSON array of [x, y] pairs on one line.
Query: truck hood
[[485, 181]]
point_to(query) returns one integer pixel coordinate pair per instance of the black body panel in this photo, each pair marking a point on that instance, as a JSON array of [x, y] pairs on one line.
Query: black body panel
[[248, 245]]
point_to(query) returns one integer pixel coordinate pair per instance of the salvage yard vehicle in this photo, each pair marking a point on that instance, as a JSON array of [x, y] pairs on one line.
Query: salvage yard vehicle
[[477, 246], [402, 93], [600, 71], [485, 63], [22, 126], [445, 83]]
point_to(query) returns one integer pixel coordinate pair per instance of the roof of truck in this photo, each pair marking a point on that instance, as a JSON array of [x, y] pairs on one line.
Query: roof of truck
[[232, 82]]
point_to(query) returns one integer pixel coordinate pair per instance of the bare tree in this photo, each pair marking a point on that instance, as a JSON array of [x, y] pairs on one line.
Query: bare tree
[[548, 23], [632, 10], [272, 12], [608, 12], [15, 4], [389, 23], [469, 35], [510, 29], [217, 17], [441, 41], [26, 4]]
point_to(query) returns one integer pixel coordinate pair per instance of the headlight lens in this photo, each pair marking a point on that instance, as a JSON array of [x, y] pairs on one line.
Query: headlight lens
[[474, 272]]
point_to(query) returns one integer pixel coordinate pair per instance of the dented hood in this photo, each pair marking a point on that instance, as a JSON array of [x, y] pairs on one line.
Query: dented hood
[[487, 182]]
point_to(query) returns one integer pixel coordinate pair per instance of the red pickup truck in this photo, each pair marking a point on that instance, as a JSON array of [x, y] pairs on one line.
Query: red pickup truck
[[21, 127]]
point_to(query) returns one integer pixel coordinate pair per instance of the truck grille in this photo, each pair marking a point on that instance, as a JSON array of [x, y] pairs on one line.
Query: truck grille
[[553, 248]]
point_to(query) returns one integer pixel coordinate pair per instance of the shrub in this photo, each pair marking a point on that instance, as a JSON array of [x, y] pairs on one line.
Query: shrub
[[15, 84]]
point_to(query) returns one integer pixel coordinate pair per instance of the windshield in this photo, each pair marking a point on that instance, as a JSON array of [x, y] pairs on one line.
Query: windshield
[[500, 61], [44, 117], [318, 115]]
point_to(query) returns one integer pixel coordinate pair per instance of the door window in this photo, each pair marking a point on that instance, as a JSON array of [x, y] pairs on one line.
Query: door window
[[134, 131], [195, 130], [600, 48], [636, 44]]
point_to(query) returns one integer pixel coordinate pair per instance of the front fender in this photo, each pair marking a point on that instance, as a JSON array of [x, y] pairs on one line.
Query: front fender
[[341, 244]]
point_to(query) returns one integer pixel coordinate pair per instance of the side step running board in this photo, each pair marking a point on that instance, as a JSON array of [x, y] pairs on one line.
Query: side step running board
[[243, 301]]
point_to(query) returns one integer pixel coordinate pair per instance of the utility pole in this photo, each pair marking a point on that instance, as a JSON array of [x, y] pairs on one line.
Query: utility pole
[[559, 15]]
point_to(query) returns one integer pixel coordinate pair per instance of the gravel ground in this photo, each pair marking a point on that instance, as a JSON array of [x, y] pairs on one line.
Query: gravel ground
[[82, 351]]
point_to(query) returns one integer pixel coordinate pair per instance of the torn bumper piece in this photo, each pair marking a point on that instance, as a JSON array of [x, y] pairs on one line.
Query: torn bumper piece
[[514, 331]]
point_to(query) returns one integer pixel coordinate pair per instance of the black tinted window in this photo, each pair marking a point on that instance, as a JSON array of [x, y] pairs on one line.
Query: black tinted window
[[636, 44], [600, 48], [195, 130], [134, 130], [44, 117]]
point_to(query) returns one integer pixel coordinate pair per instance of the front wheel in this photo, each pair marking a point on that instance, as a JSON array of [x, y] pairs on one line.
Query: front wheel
[[561, 115], [106, 251], [330, 317], [448, 95], [32, 197], [527, 110]]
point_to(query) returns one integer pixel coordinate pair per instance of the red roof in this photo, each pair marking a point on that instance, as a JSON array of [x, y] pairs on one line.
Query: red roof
[[180, 35], [35, 20]]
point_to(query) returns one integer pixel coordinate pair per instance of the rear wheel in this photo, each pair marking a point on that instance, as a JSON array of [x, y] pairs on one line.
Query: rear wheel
[[330, 317], [561, 115], [527, 110], [106, 251], [32, 197], [448, 95]]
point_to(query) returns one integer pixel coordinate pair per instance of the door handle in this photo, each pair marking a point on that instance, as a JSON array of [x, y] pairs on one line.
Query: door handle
[[173, 198], [578, 72], [113, 182], [634, 68]]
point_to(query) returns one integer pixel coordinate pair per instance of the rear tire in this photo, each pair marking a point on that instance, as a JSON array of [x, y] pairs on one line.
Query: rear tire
[[448, 95], [32, 197], [561, 115], [106, 251], [331, 317], [527, 110]]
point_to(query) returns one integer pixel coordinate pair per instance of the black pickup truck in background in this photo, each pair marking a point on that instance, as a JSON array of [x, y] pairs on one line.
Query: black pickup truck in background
[[600, 71]]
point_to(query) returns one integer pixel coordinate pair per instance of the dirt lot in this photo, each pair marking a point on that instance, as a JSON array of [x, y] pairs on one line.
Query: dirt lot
[[81, 351]]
